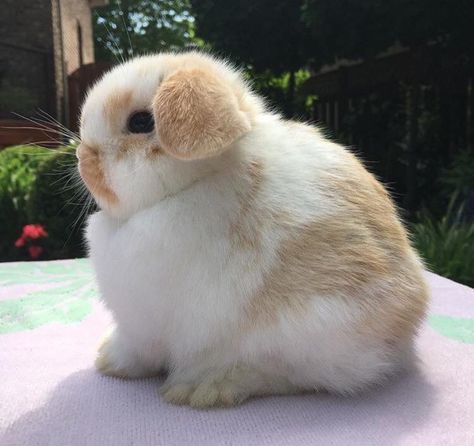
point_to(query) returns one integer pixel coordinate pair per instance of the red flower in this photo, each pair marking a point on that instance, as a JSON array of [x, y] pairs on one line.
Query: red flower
[[35, 251], [20, 242], [29, 233], [33, 232]]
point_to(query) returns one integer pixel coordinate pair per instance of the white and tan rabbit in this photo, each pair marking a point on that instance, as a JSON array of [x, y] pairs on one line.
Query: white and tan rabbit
[[244, 254]]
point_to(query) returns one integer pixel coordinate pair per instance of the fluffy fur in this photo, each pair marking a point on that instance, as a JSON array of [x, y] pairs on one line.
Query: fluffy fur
[[241, 253]]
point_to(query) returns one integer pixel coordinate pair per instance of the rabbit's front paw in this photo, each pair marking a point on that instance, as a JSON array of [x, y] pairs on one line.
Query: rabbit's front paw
[[114, 358]]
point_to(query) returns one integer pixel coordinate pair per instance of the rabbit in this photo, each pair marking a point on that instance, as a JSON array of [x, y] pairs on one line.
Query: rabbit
[[240, 253]]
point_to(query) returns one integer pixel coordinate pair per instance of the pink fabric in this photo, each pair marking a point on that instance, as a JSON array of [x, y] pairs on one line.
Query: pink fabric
[[51, 395]]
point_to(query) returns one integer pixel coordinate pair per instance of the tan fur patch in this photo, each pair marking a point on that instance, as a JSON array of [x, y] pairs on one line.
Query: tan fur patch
[[114, 109], [245, 230], [323, 258], [364, 245], [138, 143], [197, 115], [91, 171], [154, 152], [405, 299]]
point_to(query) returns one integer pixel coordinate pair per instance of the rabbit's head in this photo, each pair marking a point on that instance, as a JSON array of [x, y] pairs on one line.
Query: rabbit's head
[[156, 124]]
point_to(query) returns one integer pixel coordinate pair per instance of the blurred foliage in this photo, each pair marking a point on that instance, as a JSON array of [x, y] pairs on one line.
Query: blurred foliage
[[34, 189], [348, 28], [18, 171], [354, 29], [267, 38], [274, 89], [263, 35], [446, 241], [460, 176], [132, 27], [447, 244], [458, 180], [56, 202], [273, 37]]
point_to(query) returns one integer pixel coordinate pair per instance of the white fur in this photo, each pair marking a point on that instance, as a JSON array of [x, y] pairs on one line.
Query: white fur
[[176, 285]]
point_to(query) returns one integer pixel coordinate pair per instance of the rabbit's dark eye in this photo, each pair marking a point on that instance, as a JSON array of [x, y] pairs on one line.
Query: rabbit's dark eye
[[141, 122]]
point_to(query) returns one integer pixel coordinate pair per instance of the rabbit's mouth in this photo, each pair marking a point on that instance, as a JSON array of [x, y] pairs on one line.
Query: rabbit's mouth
[[92, 173]]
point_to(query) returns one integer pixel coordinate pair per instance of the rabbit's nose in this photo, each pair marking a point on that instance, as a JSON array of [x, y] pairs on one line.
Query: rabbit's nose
[[84, 150]]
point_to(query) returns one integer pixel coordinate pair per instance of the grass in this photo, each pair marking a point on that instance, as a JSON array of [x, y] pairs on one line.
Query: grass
[[447, 244]]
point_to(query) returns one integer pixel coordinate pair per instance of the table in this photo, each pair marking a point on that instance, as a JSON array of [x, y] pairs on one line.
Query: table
[[51, 321]]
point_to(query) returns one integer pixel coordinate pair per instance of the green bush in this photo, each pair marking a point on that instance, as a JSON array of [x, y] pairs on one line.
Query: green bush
[[18, 170], [57, 202], [36, 187], [447, 244], [459, 177]]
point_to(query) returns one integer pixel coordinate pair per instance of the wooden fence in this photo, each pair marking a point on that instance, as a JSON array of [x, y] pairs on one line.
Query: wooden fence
[[78, 84], [379, 104]]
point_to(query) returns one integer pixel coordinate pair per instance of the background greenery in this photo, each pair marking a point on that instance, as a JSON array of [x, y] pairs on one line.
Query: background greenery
[[37, 187], [18, 167]]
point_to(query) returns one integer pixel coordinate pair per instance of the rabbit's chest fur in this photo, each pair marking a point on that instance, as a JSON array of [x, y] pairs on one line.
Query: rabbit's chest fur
[[182, 273], [172, 274]]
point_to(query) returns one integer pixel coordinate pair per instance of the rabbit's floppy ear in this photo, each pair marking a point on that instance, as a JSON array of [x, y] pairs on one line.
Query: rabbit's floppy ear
[[197, 114]]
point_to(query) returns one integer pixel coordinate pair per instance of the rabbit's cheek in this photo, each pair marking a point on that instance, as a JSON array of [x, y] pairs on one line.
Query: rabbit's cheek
[[92, 173]]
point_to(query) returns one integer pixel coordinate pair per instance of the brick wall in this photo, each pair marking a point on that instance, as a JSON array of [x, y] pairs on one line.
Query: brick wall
[[41, 43], [26, 48]]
